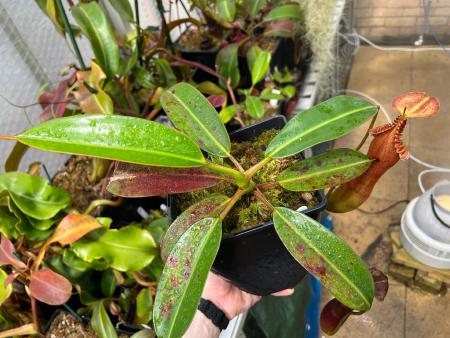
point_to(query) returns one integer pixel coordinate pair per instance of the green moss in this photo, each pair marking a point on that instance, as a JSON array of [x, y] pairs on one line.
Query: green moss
[[250, 212]]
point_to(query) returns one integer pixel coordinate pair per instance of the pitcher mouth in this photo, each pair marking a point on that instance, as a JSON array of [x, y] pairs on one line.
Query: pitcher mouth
[[440, 211]]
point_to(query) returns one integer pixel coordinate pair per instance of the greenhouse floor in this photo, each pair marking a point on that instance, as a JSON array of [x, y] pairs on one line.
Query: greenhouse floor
[[406, 312]]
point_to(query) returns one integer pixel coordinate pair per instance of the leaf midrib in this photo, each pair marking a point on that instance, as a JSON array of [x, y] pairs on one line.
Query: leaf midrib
[[320, 125], [199, 122], [88, 145], [325, 258], [321, 172]]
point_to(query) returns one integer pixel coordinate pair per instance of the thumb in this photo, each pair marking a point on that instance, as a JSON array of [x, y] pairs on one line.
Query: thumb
[[282, 293]]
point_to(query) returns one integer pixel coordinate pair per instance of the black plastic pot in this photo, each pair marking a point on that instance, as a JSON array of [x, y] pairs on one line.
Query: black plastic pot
[[256, 260]]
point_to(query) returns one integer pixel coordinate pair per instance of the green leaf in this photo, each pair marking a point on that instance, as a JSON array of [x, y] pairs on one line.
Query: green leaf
[[95, 25], [227, 113], [288, 91], [208, 207], [324, 122], [115, 137], [210, 88], [227, 65], [8, 223], [193, 114], [258, 63], [144, 77], [41, 224], [327, 257], [184, 277], [24, 227], [147, 333], [127, 65], [33, 195], [226, 9], [70, 259], [4, 292], [254, 107], [108, 283], [290, 11], [166, 75], [101, 323], [255, 6], [329, 169], [126, 249], [144, 306], [124, 9]]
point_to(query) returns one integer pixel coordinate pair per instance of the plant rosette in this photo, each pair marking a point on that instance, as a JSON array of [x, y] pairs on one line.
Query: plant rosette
[[177, 164]]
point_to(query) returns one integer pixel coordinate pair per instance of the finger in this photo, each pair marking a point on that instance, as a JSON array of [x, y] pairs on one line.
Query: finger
[[283, 293]]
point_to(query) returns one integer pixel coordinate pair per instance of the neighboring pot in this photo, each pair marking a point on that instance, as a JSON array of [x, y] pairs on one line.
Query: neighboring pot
[[256, 260]]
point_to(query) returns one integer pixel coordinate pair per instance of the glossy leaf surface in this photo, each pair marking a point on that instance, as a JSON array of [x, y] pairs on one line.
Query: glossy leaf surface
[[326, 257], [49, 287], [144, 306], [125, 249], [258, 62], [324, 122], [124, 9], [208, 207], [34, 195], [95, 25], [72, 228], [8, 223], [227, 65], [254, 107], [8, 254], [132, 180], [329, 169], [101, 323], [290, 11], [184, 277], [115, 137], [227, 113], [193, 114], [5, 292]]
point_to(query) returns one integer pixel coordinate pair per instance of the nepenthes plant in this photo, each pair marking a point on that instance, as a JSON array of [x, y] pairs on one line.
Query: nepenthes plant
[[197, 155]]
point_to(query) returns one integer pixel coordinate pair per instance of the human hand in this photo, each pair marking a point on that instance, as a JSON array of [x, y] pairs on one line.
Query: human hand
[[230, 299]]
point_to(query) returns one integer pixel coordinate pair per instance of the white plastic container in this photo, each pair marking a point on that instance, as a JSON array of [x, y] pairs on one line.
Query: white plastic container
[[425, 228]]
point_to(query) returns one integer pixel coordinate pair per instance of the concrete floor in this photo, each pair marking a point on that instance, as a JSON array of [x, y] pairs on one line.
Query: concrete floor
[[405, 313]]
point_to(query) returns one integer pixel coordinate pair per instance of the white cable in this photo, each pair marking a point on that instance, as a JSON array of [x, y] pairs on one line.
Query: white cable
[[432, 167], [396, 49]]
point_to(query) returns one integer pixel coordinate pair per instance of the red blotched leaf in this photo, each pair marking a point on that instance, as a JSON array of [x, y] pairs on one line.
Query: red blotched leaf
[[7, 256], [280, 28], [217, 100], [333, 316], [381, 284], [55, 103], [72, 228], [132, 180], [49, 287], [416, 105]]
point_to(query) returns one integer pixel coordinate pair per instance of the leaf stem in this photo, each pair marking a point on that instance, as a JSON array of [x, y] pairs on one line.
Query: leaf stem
[[252, 171], [237, 195], [267, 185], [368, 131], [138, 27], [69, 32], [239, 177], [35, 314], [6, 137], [24, 330], [236, 163], [263, 198], [96, 203]]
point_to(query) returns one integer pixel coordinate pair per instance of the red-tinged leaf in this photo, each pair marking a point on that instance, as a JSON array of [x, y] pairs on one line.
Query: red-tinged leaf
[[381, 283], [7, 254], [280, 28], [416, 105], [72, 228], [130, 180], [217, 100], [333, 316], [49, 287], [210, 206], [55, 103], [10, 278]]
